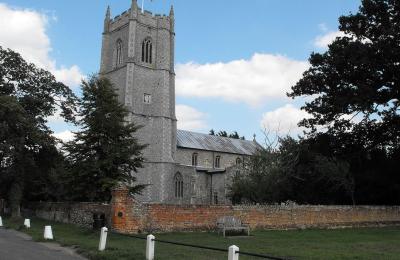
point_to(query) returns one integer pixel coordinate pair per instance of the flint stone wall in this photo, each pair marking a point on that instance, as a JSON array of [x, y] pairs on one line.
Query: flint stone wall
[[80, 213]]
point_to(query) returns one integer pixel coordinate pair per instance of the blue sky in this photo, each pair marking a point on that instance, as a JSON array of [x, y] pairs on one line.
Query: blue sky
[[235, 60]]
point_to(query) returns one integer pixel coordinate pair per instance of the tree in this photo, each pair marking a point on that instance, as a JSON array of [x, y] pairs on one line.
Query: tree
[[355, 85], [222, 133], [28, 96], [105, 153], [295, 172]]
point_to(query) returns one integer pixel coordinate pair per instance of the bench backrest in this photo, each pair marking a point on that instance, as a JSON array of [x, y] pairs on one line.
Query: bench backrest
[[230, 221]]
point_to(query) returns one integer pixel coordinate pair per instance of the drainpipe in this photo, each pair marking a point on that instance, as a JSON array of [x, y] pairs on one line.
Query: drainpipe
[[211, 188]]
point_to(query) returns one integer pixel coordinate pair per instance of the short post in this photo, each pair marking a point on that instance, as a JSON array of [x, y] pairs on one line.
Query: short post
[[1, 222], [27, 223], [48, 233], [103, 239], [150, 247], [233, 253]]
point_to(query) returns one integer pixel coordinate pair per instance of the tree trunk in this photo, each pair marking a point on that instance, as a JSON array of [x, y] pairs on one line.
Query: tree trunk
[[15, 198]]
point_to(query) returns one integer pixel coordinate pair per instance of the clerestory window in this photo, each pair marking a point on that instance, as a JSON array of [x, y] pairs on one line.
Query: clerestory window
[[217, 163], [194, 159], [238, 161]]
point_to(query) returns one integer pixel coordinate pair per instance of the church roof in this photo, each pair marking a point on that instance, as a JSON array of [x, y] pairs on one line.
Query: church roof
[[188, 139]]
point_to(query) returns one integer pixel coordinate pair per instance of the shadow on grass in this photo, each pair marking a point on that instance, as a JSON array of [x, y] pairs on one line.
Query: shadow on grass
[[357, 243]]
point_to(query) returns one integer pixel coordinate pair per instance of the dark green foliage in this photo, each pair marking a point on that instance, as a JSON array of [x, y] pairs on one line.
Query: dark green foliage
[[222, 133], [356, 82], [293, 172], [105, 152], [355, 109], [28, 95]]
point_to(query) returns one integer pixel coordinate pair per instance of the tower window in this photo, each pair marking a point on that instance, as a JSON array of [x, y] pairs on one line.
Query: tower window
[[194, 159], [217, 162], [147, 51], [147, 98], [178, 185], [119, 53]]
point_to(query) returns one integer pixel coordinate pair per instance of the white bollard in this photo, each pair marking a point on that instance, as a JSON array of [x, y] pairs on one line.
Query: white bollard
[[1, 222], [48, 233], [27, 223], [103, 239], [150, 247], [233, 253]]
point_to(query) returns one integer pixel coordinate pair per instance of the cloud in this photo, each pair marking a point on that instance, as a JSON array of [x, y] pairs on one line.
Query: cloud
[[70, 76], [322, 41], [24, 31], [323, 27], [262, 77], [56, 118], [284, 120], [65, 136], [189, 118]]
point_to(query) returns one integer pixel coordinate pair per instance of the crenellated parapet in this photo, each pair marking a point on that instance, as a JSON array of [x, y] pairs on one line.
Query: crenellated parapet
[[145, 17]]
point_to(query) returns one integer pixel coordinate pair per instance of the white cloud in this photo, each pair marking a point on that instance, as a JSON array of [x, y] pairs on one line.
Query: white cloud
[[65, 136], [24, 31], [189, 118], [263, 77], [322, 41], [284, 120], [70, 76], [323, 27], [56, 117]]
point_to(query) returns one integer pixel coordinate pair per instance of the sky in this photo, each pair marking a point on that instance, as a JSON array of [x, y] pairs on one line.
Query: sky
[[234, 60]]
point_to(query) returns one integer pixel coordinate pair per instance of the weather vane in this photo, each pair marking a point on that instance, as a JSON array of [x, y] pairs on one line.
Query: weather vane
[[143, 5]]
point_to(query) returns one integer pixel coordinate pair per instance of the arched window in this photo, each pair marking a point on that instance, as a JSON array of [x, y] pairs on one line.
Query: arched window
[[178, 185], [217, 162], [194, 159], [119, 53], [147, 51], [238, 161]]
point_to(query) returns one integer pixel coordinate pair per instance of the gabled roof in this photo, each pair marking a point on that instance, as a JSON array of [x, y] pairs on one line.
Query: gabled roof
[[188, 139]]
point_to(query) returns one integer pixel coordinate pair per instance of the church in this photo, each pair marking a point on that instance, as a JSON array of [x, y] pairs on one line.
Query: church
[[181, 167]]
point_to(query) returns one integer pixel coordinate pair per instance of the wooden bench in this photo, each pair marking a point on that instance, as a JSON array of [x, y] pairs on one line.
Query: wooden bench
[[232, 223]]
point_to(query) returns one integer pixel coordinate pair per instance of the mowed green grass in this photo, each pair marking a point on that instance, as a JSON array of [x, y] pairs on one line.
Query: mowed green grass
[[355, 243]]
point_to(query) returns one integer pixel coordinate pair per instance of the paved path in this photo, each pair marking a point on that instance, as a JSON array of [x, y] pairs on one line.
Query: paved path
[[15, 245]]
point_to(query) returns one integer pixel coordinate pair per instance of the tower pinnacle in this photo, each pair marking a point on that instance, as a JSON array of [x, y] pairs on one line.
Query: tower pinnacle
[[134, 8], [107, 19], [171, 11], [108, 13]]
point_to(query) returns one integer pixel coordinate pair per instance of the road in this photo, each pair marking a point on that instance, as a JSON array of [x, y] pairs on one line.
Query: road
[[19, 246]]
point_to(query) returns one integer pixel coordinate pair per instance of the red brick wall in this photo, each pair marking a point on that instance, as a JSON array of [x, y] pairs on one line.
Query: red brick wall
[[136, 217]]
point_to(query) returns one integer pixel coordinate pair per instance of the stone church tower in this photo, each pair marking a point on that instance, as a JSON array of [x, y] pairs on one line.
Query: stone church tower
[[138, 57]]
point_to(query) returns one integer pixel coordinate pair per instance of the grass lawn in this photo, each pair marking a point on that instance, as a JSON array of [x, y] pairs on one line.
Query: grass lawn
[[357, 243]]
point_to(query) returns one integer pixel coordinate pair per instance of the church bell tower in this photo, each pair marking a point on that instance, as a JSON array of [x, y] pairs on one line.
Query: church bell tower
[[137, 55]]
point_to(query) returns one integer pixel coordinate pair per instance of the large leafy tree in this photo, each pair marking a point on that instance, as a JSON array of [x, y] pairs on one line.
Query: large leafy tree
[[355, 85], [294, 172], [28, 96], [106, 152]]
